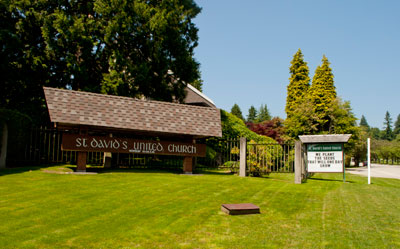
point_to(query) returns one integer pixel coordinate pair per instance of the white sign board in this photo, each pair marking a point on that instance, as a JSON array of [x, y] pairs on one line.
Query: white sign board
[[326, 158]]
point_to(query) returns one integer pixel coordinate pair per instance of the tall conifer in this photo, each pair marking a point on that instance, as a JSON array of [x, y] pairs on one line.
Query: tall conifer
[[387, 132], [252, 115], [263, 114], [363, 122], [322, 94], [237, 112], [299, 83], [396, 129]]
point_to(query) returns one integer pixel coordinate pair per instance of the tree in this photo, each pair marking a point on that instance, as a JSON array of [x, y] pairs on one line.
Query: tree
[[271, 128], [299, 83], [342, 118], [322, 94], [23, 60], [252, 116], [302, 122], [387, 133], [363, 122], [198, 83], [129, 48], [237, 112], [263, 114], [396, 129], [375, 133]]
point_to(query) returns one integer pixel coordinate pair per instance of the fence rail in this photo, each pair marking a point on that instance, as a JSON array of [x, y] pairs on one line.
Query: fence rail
[[43, 146]]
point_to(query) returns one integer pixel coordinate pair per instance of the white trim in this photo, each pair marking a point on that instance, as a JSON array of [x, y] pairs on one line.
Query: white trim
[[200, 93], [332, 138]]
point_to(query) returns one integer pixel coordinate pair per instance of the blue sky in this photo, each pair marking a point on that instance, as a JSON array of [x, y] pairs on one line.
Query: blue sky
[[245, 49]]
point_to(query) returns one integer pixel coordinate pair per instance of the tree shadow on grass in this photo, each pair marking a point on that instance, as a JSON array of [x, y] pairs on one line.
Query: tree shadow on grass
[[18, 170], [67, 168], [213, 172], [101, 170], [328, 180]]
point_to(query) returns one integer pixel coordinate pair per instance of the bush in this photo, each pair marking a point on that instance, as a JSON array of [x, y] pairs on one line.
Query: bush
[[258, 162], [233, 166], [272, 128], [234, 127]]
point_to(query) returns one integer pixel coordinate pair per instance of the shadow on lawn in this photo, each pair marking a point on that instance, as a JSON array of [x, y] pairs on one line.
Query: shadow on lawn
[[328, 180], [18, 170], [212, 172], [60, 168], [101, 170]]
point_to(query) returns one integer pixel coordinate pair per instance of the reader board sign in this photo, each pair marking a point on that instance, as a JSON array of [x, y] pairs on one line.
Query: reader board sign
[[327, 158], [75, 142]]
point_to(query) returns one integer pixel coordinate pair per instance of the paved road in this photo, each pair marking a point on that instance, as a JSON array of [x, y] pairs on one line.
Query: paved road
[[377, 170]]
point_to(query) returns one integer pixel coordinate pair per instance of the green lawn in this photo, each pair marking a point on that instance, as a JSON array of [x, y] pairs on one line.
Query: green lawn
[[147, 209]]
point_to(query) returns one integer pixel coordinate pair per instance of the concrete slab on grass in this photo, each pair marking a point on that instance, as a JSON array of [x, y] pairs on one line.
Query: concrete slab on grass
[[239, 209]]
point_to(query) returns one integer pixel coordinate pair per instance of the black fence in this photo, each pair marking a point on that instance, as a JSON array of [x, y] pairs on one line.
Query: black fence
[[42, 146]]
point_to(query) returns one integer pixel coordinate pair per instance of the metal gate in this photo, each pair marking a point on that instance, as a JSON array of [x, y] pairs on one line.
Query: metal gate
[[271, 157]]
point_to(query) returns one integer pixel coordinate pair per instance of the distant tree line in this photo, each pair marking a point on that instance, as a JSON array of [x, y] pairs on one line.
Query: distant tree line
[[385, 146], [389, 132]]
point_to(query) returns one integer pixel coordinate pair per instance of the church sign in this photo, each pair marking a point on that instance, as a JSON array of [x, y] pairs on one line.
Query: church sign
[[326, 158], [75, 142]]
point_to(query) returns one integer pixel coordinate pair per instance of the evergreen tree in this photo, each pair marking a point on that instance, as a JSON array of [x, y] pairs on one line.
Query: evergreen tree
[[322, 94], [387, 132], [128, 48], [375, 133], [299, 83], [252, 116], [363, 122], [302, 121], [263, 114], [237, 112], [343, 121], [396, 129]]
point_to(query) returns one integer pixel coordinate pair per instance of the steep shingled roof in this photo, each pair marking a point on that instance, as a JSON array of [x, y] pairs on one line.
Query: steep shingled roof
[[69, 107]]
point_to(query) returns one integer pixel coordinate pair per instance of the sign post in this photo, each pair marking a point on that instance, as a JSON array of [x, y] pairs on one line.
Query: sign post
[[369, 159], [344, 170], [325, 153]]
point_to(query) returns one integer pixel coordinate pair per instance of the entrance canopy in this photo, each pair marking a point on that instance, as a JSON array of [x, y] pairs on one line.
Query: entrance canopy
[[68, 108]]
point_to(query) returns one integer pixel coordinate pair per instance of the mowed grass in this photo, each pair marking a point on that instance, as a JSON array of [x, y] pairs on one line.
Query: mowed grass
[[148, 209]]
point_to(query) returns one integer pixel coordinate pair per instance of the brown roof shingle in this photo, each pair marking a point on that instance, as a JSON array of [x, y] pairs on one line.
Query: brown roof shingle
[[108, 111]]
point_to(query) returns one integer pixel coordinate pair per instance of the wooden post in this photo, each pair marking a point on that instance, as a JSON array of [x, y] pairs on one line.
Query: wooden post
[[82, 156], [107, 159], [188, 165], [81, 161], [243, 157], [3, 154], [298, 163], [194, 158]]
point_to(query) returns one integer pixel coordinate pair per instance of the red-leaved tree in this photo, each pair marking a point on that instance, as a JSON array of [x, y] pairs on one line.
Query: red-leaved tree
[[272, 128]]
